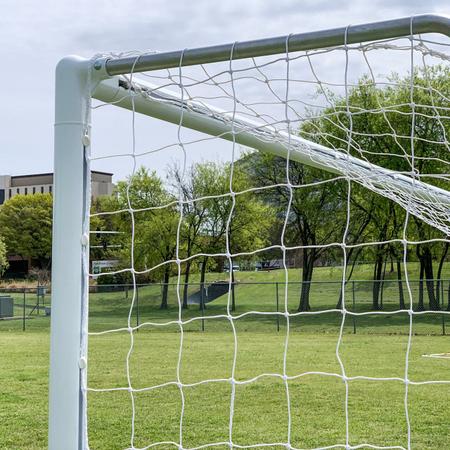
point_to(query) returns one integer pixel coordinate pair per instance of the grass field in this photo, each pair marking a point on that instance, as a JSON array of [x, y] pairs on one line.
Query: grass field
[[376, 409]]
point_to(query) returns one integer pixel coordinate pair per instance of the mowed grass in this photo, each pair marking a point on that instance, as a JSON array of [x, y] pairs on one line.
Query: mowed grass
[[151, 362], [317, 402]]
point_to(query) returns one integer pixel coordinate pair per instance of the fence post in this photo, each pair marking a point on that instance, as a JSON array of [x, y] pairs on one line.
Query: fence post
[[202, 302], [233, 298], [442, 306], [278, 306], [23, 308], [137, 306], [354, 306]]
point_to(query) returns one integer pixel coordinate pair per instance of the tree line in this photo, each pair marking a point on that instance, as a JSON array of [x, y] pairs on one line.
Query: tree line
[[306, 215]]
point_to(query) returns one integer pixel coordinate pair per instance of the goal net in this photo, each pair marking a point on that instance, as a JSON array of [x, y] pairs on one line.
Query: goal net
[[255, 194]]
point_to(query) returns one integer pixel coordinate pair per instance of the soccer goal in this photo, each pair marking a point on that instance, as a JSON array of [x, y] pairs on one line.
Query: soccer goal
[[307, 154]]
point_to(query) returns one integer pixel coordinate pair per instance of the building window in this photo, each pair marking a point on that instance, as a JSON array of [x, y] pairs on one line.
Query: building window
[[50, 189], [18, 191], [10, 193], [34, 190], [26, 191], [42, 189]]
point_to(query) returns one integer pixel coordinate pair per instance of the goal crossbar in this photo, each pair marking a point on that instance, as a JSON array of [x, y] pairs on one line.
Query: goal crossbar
[[405, 26]]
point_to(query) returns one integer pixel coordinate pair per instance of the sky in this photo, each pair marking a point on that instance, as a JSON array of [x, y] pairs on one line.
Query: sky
[[36, 35]]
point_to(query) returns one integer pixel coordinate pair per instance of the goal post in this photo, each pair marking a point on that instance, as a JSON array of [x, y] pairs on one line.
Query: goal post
[[69, 245], [79, 80]]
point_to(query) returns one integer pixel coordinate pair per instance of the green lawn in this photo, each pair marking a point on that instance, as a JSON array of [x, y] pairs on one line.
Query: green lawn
[[376, 411], [376, 408]]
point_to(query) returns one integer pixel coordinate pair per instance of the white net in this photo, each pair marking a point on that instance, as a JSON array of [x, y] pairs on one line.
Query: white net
[[352, 167]]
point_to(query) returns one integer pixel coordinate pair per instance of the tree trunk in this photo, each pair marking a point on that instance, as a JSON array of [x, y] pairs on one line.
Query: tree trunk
[[448, 297], [429, 277], [186, 284], [401, 297], [420, 306], [349, 256], [423, 252], [439, 275], [308, 264], [202, 283], [377, 270], [233, 299], [339, 303], [383, 276], [165, 292]]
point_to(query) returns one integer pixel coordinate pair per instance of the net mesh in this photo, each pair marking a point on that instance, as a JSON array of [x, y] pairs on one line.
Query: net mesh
[[353, 164]]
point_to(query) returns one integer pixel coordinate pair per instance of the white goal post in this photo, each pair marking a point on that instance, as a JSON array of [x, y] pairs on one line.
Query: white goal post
[[75, 77]]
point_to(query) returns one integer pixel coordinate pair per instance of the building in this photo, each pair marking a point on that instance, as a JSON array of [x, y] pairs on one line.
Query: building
[[101, 184], [40, 183]]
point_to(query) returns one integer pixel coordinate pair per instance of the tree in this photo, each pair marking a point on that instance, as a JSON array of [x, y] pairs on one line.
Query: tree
[[155, 244], [3, 258], [382, 127], [26, 224], [248, 220], [313, 215], [149, 222], [105, 218], [194, 211], [211, 217]]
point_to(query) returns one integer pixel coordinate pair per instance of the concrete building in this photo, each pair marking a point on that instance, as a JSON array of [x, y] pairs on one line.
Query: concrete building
[[41, 183]]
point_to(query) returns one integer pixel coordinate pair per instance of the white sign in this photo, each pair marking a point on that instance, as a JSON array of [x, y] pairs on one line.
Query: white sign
[[100, 266]]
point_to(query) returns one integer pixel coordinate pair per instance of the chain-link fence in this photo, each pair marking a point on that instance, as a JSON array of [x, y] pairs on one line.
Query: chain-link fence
[[370, 306], [259, 305], [25, 307]]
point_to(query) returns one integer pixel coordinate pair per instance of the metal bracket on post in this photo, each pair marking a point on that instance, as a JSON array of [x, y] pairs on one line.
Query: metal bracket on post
[[99, 65]]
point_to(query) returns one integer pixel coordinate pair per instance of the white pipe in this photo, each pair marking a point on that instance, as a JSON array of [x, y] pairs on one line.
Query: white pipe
[[66, 409], [166, 105]]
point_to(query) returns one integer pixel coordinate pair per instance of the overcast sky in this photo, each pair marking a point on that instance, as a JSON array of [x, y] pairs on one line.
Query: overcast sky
[[36, 34]]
